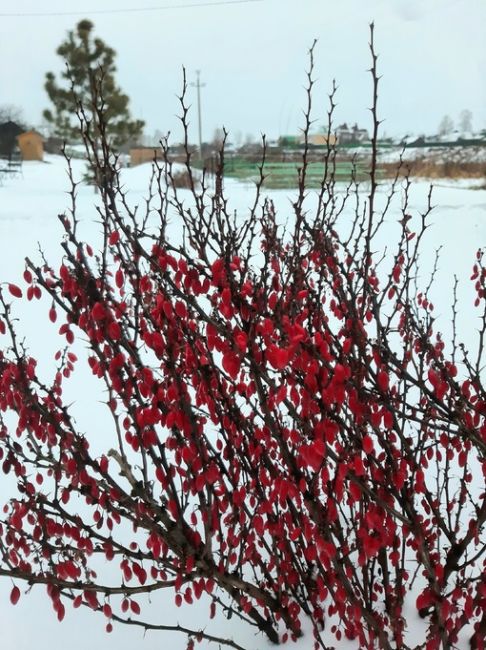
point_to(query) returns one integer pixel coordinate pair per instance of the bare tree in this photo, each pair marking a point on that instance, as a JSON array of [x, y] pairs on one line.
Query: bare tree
[[218, 138], [11, 112], [465, 121], [446, 125]]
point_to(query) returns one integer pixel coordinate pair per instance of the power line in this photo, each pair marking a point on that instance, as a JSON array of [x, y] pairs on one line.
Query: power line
[[124, 11]]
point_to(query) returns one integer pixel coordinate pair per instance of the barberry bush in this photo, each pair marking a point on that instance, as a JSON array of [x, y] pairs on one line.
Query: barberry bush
[[292, 440]]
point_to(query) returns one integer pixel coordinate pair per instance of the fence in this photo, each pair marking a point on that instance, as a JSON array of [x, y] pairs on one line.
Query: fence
[[11, 166], [285, 174]]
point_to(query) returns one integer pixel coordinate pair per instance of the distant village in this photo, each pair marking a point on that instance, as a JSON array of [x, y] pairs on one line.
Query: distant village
[[18, 143]]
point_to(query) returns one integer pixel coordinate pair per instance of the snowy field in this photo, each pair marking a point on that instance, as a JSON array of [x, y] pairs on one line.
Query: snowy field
[[29, 205], [436, 154]]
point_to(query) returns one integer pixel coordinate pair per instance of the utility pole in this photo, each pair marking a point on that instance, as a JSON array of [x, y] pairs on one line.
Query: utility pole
[[198, 86]]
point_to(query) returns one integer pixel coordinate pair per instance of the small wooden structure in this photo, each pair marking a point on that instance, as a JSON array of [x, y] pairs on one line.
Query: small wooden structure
[[31, 145], [140, 155]]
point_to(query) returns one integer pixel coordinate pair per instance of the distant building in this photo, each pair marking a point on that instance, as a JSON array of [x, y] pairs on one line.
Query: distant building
[[313, 139], [289, 141], [351, 135], [140, 155], [8, 138], [31, 145], [53, 144], [318, 139]]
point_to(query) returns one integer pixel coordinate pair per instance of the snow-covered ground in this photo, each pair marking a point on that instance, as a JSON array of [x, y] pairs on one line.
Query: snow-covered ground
[[436, 154], [29, 205]]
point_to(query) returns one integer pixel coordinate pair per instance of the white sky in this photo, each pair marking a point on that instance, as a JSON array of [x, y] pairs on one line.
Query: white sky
[[253, 59]]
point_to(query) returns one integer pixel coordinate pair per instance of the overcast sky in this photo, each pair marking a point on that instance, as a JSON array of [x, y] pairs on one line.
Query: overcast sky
[[253, 56]]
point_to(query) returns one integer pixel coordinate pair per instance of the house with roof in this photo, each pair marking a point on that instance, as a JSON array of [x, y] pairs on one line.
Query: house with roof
[[351, 135], [8, 138]]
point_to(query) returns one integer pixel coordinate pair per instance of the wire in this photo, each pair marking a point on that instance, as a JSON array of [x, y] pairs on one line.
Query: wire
[[129, 10]]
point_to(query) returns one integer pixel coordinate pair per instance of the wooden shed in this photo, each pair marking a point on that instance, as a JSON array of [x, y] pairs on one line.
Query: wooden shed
[[31, 145]]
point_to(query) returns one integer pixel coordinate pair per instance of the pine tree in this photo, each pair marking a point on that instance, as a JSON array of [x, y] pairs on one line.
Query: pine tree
[[90, 81]]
